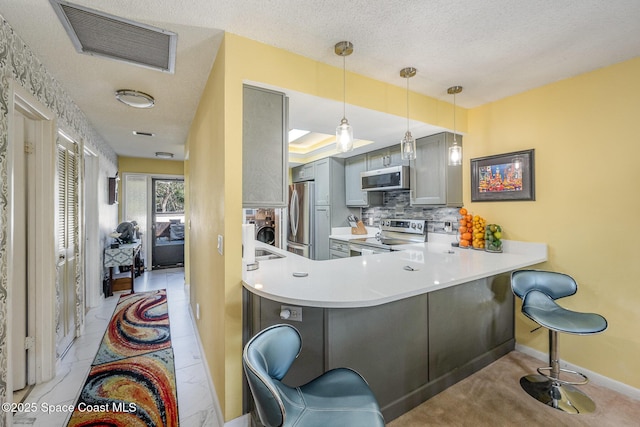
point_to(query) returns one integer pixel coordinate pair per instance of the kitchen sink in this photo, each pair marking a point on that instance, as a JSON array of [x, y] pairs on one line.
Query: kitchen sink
[[265, 254]]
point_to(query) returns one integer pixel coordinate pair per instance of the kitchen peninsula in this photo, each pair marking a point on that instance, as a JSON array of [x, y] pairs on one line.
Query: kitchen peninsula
[[412, 322]]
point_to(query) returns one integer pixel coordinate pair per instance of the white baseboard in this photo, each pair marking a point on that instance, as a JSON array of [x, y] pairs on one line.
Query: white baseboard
[[216, 402], [599, 379], [243, 421]]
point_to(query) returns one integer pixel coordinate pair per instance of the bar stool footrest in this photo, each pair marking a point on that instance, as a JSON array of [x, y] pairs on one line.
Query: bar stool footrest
[[548, 369]]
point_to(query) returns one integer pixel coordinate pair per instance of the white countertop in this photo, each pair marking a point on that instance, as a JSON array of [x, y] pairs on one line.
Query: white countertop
[[381, 278]]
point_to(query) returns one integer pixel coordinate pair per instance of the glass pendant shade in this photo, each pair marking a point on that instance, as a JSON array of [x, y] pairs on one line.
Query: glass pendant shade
[[455, 151], [344, 136], [408, 147], [455, 155]]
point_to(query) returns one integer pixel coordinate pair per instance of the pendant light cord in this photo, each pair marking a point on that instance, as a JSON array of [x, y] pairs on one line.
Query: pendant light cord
[[344, 87], [407, 104]]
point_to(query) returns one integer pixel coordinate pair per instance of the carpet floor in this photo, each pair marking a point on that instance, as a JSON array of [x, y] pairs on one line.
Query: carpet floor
[[493, 397], [132, 379]]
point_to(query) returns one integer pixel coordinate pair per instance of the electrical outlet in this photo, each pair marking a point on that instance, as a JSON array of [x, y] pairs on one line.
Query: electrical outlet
[[198, 311], [292, 313], [220, 243]]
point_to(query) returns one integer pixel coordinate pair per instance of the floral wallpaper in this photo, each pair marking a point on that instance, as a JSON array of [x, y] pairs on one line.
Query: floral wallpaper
[[18, 63]]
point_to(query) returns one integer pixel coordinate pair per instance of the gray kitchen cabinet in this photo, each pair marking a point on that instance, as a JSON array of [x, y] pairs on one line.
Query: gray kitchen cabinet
[[353, 185], [322, 229], [264, 147], [323, 181], [385, 157], [304, 172], [338, 249], [433, 181], [330, 202]]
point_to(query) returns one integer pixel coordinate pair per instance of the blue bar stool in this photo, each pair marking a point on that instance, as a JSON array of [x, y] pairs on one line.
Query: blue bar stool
[[538, 291], [339, 397]]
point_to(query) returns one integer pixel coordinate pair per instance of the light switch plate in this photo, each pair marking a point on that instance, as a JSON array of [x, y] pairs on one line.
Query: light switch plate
[[220, 243]]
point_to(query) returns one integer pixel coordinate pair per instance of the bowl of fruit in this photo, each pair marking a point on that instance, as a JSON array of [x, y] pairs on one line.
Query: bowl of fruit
[[493, 238]]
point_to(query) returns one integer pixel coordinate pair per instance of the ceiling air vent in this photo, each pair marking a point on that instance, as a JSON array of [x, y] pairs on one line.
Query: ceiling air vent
[[97, 33]]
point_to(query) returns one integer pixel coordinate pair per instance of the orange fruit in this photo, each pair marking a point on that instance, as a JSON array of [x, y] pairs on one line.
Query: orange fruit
[[463, 211], [464, 243]]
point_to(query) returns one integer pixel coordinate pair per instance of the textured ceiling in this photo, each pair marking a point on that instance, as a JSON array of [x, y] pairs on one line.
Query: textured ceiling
[[493, 48]]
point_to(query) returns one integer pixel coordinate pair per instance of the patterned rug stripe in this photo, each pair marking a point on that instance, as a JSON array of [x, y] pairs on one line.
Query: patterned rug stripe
[[140, 324]]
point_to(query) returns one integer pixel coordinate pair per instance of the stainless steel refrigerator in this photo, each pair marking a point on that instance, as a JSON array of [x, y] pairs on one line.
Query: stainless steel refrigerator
[[300, 227]]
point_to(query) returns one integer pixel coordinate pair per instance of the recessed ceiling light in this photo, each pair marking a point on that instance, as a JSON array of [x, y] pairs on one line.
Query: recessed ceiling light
[[136, 132], [134, 98], [164, 155], [296, 133]]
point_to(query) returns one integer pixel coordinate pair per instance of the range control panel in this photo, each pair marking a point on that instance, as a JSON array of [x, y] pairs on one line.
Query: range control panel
[[414, 226]]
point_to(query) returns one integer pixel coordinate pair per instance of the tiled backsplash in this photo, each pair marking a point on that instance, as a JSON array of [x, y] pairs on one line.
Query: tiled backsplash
[[395, 204]]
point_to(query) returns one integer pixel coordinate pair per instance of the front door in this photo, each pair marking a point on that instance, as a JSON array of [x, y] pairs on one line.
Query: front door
[[167, 242]]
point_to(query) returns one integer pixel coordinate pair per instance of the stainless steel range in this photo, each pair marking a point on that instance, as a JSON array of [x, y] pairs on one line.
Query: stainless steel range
[[392, 232]]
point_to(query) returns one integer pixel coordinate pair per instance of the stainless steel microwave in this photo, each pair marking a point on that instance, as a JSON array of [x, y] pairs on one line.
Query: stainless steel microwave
[[393, 178]]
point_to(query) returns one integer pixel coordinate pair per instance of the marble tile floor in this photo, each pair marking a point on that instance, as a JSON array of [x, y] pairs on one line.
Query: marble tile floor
[[195, 401]]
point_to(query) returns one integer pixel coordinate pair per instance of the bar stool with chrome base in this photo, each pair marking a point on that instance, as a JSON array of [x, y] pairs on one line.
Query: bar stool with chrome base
[[538, 291]]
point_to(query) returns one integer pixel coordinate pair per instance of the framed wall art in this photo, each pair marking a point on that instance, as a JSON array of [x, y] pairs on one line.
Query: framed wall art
[[503, 177]]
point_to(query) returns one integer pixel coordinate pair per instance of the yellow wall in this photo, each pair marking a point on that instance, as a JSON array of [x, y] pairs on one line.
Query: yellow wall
[[152, 166], [587, 200], [208, 190], [571, 124]]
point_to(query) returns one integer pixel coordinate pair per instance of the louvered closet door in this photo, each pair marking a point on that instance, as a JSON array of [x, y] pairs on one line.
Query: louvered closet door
[[67, 245]]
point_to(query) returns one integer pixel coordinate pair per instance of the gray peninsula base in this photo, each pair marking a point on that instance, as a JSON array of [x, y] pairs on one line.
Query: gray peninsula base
[[408, 350]]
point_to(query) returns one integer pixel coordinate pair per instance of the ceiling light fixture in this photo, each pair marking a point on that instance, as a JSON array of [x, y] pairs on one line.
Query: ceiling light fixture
[[164, 155], [455, 151], [297, 133], [408, 144], [344, 131], [135, 99]]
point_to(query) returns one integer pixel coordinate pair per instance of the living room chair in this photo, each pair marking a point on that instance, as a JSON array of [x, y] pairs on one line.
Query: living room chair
[[339, 397], [539, 291]]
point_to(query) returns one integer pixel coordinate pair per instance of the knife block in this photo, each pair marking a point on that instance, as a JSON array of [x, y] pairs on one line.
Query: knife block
[[359, 228]]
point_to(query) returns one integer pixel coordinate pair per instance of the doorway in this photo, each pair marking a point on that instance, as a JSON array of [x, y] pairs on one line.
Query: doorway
[[31, 269], [67, 226], [23, 197], [167, 243]]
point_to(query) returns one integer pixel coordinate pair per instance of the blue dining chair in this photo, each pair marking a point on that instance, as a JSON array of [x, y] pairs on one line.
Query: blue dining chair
[[339, 397], [539, 291]]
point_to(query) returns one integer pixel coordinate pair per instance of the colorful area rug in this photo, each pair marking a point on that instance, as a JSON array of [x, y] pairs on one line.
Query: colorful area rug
[[132, 378]]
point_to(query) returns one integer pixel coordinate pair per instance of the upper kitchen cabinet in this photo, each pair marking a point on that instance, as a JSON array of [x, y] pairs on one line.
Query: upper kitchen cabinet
[[303, 172], [264, 147], [353, 184], [433, 181], [385, 157]]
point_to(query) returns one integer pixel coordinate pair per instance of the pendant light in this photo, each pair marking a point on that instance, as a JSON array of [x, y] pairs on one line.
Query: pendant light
[[408, 144], [344, 131], [455, 151]]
